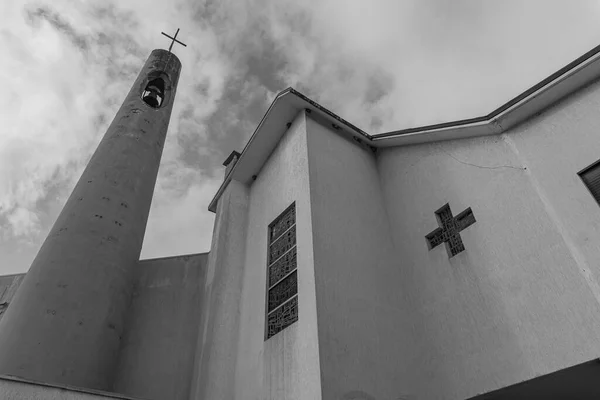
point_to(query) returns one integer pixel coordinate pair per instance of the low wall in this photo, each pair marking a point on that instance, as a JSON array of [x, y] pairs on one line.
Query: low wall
[[157, 352], [12, 388]]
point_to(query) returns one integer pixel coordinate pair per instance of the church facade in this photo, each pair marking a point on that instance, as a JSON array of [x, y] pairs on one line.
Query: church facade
[[454, 261]]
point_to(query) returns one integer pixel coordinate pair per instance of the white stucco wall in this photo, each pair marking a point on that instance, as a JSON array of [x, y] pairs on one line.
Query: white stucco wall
[[555, 146], [515, 304], [217, 349], [363, 342], [287, 365]]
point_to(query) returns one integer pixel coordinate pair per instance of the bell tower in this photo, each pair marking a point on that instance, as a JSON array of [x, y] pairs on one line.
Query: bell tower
[[66, 321]]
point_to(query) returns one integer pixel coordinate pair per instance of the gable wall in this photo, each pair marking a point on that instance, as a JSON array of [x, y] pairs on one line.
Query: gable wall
[[364, 342], [515, 304]]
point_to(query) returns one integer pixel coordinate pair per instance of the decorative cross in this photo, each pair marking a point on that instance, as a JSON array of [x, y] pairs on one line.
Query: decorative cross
[[174, 39], [449, 229]]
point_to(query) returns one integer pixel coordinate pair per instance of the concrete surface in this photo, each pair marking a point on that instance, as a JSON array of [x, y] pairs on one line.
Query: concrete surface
[[287, 365], [515, 304], [217, 350], [156, 357], [555, 146], [399, 320], [67, 319], [362, 313], [290, 359]]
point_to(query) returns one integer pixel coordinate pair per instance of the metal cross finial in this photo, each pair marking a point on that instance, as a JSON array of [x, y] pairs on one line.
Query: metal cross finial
[[174, 39]]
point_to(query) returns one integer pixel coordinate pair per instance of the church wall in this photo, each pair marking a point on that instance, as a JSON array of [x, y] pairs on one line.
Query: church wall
[[287, 364], [514, 305], [157, 351], [217, 350], [8, 287], [363, 324], [555, 146]]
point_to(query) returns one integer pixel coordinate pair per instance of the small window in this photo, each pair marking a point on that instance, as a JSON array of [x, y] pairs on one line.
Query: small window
[[591, 178], [282, 277], [154, 93]]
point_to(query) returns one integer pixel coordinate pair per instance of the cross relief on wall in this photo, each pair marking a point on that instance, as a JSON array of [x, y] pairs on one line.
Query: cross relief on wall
[[449, 229]]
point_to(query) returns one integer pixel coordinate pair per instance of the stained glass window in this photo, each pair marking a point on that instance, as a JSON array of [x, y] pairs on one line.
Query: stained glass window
[[282, 266], [282, 317], [282, 277], [281, 292], [283, 222], [282, 244]]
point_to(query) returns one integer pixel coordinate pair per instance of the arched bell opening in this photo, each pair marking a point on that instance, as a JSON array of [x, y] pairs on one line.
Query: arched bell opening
[[154, 93]]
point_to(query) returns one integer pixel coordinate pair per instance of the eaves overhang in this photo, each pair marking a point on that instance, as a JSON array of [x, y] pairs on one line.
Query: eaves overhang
[[283, 110], [566, 80], [288, 103]]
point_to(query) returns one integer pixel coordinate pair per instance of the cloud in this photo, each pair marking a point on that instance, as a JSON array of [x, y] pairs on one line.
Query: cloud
[[69, 66], [382, 65], [58, 22], [34, 139], [438, 60], [22, 220]]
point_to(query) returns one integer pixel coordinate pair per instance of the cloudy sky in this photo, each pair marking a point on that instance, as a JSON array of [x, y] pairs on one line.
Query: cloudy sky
[[382, 65]]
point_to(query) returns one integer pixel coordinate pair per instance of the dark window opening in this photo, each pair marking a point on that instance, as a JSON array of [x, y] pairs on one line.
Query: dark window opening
[[591, 178], [154, 93]]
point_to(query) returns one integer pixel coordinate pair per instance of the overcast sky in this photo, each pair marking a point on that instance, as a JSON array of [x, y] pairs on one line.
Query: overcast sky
[[381, 65]]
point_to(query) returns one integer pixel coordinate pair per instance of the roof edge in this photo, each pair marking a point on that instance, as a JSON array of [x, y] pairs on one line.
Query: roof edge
[[566, 70], [533, 100], [212, 206]]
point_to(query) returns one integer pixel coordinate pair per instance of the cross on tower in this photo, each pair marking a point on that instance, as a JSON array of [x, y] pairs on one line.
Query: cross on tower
[[174, 39], [449, 229]]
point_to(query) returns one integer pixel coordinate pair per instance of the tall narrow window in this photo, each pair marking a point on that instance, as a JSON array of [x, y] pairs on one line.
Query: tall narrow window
[[282, 277], [591, 178]]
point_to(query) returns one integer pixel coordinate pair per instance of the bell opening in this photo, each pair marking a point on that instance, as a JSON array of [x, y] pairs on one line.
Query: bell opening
[[154, 93]]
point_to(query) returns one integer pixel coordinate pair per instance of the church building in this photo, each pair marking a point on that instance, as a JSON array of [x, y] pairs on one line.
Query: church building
[[457, 261]]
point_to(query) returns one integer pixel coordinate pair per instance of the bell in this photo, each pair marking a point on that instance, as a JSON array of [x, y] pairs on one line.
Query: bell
[[151, 99]]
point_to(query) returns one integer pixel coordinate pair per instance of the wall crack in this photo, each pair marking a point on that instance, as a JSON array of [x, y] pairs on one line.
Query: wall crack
[[483, 166]]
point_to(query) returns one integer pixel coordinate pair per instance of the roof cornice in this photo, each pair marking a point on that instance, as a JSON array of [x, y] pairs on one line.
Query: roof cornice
[[288, 103], [566, 80]]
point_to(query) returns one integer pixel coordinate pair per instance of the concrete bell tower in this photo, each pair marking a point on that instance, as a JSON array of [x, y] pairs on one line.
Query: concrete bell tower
[[66, 321]]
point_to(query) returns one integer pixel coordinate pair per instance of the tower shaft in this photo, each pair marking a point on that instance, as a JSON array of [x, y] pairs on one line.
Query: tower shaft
[[66, 321]]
